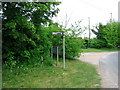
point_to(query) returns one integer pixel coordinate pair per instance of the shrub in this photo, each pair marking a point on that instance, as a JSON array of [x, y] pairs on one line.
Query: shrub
[[96, 43], [73, 47], [112, 34]]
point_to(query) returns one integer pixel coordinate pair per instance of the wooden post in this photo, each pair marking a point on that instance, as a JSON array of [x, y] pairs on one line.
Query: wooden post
[[57, 56], [64, 51], [42, 59]]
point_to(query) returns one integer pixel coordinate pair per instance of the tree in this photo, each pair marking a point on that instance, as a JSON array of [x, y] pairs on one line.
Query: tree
[[100, 40], [107, 35], [99, 33], [73, 43], [111, 34], [25, 32]]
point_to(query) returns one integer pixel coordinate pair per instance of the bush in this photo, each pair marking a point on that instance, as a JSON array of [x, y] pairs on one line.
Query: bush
[[96, 43], [112, 34], [26, 36], [73, 47]]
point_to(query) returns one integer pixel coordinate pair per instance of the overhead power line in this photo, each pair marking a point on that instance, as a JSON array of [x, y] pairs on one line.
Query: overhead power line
[[87, 3]]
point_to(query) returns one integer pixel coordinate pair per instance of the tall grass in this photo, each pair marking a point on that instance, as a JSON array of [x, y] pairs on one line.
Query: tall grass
[[76, 75]]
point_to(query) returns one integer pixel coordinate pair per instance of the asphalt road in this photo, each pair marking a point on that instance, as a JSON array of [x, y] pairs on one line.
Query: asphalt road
[[108, 65]]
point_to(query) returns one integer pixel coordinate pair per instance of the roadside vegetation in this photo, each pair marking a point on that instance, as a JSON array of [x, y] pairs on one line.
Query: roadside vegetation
[[100, 50], [76, 75], [107, 36], [27, 41]]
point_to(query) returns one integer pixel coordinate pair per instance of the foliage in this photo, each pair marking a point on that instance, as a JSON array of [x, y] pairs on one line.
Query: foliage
[[97, 43], [99, 33], [76, 30], [111, 34], [73, 47], [85, 42], [107, 36], [70, 42], [74, 42], [25, 32]]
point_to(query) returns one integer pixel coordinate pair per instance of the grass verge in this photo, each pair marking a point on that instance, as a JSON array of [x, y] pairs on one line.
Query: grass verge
[[100, 50], [77, 74]]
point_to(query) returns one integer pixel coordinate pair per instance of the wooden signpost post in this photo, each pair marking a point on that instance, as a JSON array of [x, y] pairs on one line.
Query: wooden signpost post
[[56, 33]]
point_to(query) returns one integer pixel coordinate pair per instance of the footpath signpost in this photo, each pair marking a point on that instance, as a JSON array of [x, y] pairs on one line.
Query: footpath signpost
[[64, 51], [56, 33]]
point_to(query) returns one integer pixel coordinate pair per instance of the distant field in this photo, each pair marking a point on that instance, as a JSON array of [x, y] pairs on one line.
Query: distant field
[[77, 74], [100, 50]]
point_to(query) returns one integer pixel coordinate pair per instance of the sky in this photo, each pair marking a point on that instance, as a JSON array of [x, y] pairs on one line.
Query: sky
[[99, 11]]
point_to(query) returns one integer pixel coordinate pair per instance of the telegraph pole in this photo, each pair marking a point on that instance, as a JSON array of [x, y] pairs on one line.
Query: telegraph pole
[[119, 27], [111, 18], [111, 21], [89, 31]]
